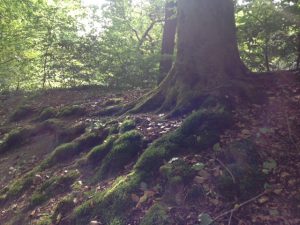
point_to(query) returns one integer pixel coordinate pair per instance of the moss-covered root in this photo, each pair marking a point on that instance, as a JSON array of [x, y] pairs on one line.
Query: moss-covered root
[[113, 204], [200, 131], [74, 110], [52, 187], [123, 151], [96, 155], [17, 187], [66, 151], [17, 137], [157, 215], [22, 112]]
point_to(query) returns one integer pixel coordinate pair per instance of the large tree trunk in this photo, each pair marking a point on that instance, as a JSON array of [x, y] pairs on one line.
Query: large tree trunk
[[208, 61], [168, 42]]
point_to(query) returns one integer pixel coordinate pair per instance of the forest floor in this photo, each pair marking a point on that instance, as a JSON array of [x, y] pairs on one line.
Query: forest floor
[[274, 127]]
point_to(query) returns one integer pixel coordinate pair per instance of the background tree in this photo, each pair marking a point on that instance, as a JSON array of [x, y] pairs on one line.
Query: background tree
[[207, 62]]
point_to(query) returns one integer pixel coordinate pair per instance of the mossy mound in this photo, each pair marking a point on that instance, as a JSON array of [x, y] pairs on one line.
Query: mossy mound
[[127, 125], [18, 187], [99, 152], [179, 169], [200, 131], [242, 152], [157, 215], [22, 112], [112, 205], [68, 150], [63, 208], [249, 181], [245, 164], [74, 110], [47, 113], [16, 137], [123, 151], [52, 187]]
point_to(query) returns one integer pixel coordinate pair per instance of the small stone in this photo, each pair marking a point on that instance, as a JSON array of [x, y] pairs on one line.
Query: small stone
[[94, 222], [263, 200], [199, 180]]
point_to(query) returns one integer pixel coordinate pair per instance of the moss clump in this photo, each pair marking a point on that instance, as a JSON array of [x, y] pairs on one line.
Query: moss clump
[[157, 215], [242, 152], [178, 168], [74, 110], [62, 208], [249, 182], [123, 151], [44, 220], [113, 101], [127, 125], [69, 150], [22, 112], [53, 186], [99, 152], [113, 204], [199, 131], [18, 186], [15, 138], [47, 113]]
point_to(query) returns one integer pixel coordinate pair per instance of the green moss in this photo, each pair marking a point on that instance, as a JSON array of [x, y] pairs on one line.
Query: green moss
[[178, 168], [15, 138], [47, 113], [157, 215], [21, 112], [112, 204], [249, 182], [127, 125], [123, 151], [53, 186], [19, 186], [62, 208], [198, 132], [243, 152], [74, 110], [66, 151], [99, 152], [113, 101], [44, 220]]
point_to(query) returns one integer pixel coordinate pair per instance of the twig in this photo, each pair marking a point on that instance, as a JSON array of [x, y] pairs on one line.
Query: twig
[[237, 207], [227, 169], [290, 131], [230, 218]]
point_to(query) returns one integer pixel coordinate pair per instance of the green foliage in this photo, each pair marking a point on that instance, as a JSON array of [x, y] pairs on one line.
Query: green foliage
[[268, 34], [157, 215]]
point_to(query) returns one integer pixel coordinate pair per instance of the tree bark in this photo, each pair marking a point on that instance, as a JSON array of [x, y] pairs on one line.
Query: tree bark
[[207, 62], [168, 42]]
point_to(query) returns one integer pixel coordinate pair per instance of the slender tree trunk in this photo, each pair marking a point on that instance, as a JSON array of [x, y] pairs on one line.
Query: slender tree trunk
[[168, 42], [266, 53], [207, 62], [298, 58]]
